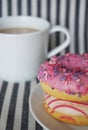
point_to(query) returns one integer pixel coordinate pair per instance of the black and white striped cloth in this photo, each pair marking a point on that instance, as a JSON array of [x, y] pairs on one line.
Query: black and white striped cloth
[[14, 106], [72, 14]]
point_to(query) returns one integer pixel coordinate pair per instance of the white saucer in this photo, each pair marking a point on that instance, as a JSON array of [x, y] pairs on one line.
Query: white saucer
[[42, 117]]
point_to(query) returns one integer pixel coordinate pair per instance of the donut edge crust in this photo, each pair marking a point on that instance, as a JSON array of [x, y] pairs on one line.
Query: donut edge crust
[[62, 95]]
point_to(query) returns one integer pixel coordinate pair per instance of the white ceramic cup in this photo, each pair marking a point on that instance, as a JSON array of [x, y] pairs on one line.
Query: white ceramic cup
[[22, 54]]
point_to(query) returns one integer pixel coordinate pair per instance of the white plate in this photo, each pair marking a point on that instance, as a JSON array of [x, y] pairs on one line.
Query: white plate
[[42, 117]]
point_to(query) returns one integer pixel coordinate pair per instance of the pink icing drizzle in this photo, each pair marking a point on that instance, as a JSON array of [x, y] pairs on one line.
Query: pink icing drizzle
[[72, 107], [58, 103]]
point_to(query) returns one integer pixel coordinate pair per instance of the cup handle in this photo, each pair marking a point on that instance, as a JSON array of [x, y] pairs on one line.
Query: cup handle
[[63, 45]]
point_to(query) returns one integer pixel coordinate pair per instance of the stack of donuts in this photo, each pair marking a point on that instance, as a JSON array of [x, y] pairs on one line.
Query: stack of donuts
[[64, 80]]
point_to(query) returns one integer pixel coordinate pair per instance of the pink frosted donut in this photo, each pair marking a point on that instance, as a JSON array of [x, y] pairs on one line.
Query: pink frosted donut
[[67, 73]]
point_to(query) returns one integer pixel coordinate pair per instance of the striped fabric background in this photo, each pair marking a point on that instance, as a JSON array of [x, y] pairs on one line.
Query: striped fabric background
[[72, 14]]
